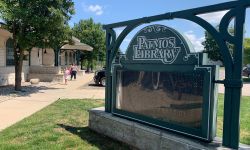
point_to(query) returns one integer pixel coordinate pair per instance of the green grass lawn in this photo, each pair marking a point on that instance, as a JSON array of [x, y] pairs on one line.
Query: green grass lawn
[[62, 125], [247, 80], [244, 119]]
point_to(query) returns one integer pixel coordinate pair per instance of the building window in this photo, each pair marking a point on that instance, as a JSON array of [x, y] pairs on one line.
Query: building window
[[10, 53], [74, 58], [66, 58], [70, 58]]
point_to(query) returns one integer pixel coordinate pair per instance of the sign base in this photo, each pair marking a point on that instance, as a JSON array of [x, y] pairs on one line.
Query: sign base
[[143, 136]]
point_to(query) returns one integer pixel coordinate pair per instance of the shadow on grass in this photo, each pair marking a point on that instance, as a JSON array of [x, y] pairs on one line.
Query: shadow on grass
[[94, 138]]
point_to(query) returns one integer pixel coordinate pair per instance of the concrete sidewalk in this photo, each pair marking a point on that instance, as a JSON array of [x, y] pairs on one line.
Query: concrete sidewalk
[[18, 108], [245, 88]]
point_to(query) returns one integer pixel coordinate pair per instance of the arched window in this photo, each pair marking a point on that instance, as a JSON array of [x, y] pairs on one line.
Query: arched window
[[10, 52]]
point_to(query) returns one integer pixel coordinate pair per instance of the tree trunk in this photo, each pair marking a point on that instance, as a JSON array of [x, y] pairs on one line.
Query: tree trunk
[[18, 68], [18, 56]]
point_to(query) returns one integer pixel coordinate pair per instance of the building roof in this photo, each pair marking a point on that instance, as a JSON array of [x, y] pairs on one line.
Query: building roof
[[77, 46]]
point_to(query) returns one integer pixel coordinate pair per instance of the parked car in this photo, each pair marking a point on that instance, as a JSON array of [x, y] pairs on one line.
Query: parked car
[[246, 71], [100, 77]]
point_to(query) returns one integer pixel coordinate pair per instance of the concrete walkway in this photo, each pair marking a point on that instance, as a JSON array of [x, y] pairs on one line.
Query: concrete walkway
[[18, 108], [245, 89]]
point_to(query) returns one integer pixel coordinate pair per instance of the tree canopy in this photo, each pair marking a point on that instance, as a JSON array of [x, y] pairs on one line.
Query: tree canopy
[[212, 48], [34, 20], [92, 34], [247, 51], [34, 23]]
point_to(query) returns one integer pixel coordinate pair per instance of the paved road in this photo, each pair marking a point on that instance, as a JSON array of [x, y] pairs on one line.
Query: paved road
[[19, 107]]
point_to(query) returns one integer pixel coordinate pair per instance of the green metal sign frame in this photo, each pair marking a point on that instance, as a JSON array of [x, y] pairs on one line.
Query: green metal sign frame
[[207, 130], [161, 50], [233, 64]]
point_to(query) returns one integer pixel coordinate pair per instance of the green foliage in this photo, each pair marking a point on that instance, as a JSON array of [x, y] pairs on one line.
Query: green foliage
[[211, 47], [91, 33], [35, 23], [247, 51]]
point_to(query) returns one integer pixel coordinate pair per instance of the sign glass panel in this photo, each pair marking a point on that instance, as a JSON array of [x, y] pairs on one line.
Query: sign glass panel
[[174, 97]]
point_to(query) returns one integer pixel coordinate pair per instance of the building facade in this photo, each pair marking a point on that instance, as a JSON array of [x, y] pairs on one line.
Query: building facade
[[7, 67], [38, 63]]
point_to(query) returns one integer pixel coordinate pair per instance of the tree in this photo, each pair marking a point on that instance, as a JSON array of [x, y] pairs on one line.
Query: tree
[[247, 51], [212, 48], [32, 22], [57, 37], [92, 34]]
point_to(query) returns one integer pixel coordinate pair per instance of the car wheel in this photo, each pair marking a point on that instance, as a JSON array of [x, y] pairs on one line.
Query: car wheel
[[103, 81]]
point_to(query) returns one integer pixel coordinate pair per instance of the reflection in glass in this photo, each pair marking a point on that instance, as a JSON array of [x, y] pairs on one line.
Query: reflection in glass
[[173, 97]]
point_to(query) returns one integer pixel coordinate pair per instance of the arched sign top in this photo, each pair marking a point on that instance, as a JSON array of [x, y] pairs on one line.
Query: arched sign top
[[160, 44]]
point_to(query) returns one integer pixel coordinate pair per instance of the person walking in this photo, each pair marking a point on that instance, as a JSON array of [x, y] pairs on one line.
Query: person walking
[[66, 75], [74, 70]]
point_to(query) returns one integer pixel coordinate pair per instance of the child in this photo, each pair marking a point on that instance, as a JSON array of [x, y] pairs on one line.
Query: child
[[66, 75]]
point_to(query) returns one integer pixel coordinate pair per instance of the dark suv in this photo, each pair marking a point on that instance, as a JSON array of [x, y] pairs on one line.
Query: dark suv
[[100, 78], [246, 71]]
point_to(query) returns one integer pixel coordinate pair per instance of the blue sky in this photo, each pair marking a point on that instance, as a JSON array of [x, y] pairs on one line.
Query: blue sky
[[111, 11]]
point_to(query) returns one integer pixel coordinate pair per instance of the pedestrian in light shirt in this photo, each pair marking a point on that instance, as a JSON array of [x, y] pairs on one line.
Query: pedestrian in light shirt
[[74, 70]]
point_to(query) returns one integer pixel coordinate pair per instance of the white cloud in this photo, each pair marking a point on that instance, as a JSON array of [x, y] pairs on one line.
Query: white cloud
[[215, 17], [93, 8], [197, 42], [97, 9]]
